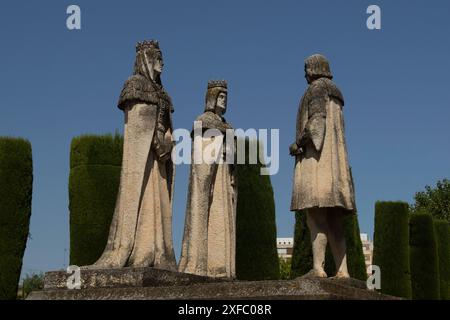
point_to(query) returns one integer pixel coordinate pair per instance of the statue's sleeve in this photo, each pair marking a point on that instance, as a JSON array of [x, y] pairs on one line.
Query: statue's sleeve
[[161, 144], [162, 122], [315, 128]]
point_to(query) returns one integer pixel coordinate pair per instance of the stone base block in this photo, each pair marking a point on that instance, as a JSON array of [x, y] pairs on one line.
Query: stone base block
[[124, 277], [154, 284]]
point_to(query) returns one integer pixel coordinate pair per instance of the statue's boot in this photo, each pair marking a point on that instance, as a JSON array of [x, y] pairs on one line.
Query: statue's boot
[[314, 273], [342, 275]]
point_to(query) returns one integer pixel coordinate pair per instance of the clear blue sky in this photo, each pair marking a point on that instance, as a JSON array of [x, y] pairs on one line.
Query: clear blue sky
[[57, 84]]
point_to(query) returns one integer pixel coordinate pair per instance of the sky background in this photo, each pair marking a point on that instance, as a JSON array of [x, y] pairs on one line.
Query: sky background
[[57, 84]]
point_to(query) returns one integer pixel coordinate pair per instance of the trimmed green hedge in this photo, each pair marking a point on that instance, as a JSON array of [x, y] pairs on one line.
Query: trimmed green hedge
[[302, 257], [391, 247], [424, 258], [357, 267], [16, 185], [442, 230], [256, 249], [95, 165], [96, 150]]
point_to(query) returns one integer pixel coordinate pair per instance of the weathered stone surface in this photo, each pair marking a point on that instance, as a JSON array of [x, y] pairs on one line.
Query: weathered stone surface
[[209, 241], [124, 277], [323, 184], [174, 286], [141, 228]]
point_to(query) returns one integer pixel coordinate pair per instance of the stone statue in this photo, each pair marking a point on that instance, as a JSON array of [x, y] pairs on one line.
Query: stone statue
[[323, 186], [141, 229], [210, 233]]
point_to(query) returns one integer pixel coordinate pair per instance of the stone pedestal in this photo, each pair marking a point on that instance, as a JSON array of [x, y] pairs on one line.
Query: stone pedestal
[[124, 278], [155, 284]]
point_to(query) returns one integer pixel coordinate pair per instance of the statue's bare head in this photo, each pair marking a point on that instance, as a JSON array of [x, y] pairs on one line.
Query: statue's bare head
[[216, 96], [149, 61], [317, 66]]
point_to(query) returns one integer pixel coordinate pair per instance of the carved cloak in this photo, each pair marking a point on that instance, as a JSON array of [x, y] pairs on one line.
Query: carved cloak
[[141, 228], [322, 177], [210, 233]]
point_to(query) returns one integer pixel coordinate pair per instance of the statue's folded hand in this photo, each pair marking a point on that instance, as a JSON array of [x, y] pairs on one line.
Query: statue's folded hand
[[294, 149], [162, 146], [164, 157]]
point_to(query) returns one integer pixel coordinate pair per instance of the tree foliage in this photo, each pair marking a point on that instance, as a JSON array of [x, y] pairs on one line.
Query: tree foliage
[[435, 201], [391, 247], [95, 165], [424, 258], [442, 230], [285, 269], [32, 282], [16, 186], [256, 234]]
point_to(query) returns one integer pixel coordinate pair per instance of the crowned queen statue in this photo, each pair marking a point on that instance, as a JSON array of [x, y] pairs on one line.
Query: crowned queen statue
[[141, 229]]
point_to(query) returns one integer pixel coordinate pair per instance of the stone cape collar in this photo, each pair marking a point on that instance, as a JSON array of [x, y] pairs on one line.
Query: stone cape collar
[[210, 120], [139, 89], [312, 111], [322, 88]]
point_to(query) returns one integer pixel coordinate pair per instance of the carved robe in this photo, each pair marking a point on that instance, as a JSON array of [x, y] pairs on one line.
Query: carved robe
[[322, 177], [141, 228], [210, 228]]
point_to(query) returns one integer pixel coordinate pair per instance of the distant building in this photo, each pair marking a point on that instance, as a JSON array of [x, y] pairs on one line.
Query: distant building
[[285, 246], [367, 249]]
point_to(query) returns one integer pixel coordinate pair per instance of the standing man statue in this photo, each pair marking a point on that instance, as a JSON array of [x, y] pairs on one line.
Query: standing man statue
[[209, 242], [323, 186], [141, 229]]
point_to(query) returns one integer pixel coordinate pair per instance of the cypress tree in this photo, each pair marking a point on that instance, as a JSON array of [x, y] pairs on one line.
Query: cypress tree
[[302, 256], [442, 230], [256, 251], [424, 258], [355, 255], [391, 248], [95, 165], [16, 185]]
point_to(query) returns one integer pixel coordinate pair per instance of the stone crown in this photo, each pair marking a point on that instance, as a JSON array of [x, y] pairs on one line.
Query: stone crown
[[147, 44], [217, 83]]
